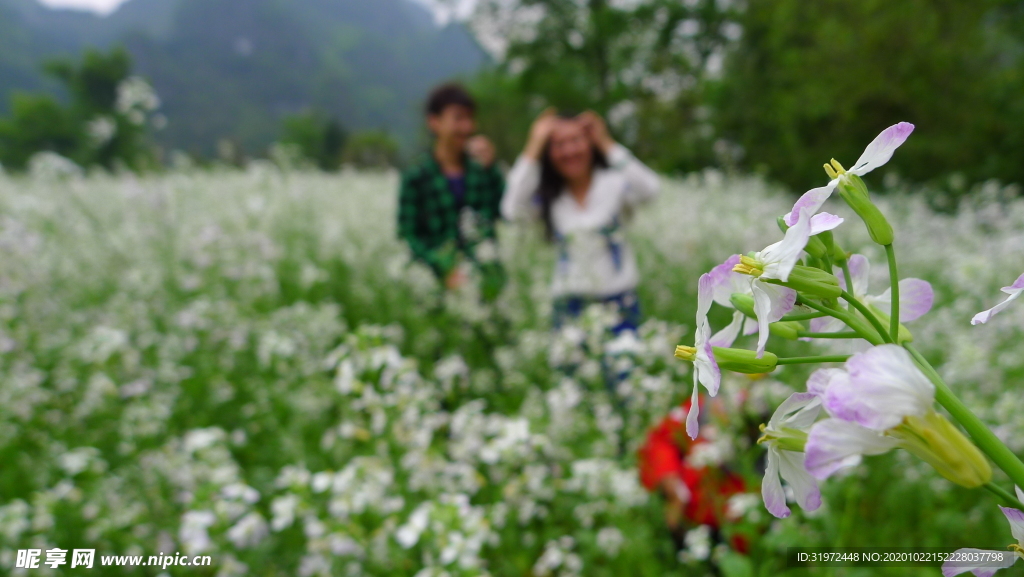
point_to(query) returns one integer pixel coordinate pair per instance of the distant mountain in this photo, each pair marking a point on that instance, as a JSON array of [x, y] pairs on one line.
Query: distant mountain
[[233, 68]]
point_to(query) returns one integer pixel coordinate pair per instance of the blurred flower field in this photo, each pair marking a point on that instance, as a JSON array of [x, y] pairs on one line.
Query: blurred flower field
[[244, 364]]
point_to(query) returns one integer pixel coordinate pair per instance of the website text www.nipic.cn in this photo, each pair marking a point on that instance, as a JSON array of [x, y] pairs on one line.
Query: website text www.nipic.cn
[[86, 559]]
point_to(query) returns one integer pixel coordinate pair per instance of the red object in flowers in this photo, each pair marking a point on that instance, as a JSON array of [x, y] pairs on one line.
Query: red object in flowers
[[664, 456]]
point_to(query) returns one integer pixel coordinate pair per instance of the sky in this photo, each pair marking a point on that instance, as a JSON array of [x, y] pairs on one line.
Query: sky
[[108, 6]]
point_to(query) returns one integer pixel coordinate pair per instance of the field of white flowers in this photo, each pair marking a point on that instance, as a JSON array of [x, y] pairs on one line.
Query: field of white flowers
[[244, 364]]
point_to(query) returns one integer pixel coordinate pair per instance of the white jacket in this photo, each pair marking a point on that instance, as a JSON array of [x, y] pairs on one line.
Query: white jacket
[[594, 258]]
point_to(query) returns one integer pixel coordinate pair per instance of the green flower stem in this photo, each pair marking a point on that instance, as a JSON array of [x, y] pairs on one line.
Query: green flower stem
[[982, 436], [812, 360], [846, 274], [836, 335], [1008, 499], [865, 332], [868, 315], [894, 286], [802, 316]]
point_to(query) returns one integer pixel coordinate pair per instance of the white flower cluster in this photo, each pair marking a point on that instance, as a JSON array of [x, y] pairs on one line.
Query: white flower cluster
[[244, 364]]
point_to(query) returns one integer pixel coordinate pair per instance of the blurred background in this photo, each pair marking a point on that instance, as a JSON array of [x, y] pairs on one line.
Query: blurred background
[[213, 342], [753, 86]]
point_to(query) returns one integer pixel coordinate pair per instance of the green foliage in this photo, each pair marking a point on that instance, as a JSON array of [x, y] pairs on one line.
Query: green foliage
[[36, 123], [643, 65], [318, 138], [371, 149], [103, 124], [809, 81]]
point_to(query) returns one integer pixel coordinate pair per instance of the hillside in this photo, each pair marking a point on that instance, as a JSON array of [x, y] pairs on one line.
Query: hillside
[[232, 68]]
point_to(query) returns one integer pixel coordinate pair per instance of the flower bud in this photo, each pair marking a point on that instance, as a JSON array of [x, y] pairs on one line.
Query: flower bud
[[744, 361], [839, 256], [786, 329], [743, 303], [853, 190], [937, 442], [813, 282]]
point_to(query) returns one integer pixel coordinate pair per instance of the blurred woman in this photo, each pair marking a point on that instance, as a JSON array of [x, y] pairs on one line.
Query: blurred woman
[[582, 185]]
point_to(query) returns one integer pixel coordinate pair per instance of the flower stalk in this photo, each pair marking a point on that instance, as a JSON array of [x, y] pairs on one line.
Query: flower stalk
[[894, 284]]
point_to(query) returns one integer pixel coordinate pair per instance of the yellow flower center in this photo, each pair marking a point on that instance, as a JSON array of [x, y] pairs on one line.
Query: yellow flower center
[[835, 170], [686, 353], [748, 265]]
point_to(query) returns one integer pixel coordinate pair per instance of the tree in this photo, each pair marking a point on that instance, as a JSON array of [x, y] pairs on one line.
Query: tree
[[810, 81], [643, 64], [103, 124], [318, 138]]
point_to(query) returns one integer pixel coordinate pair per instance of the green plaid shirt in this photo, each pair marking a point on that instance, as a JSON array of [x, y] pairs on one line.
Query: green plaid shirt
[[429, 220]]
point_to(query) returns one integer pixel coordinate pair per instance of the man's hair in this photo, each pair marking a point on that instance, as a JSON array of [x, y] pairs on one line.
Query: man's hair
[[447, 95]]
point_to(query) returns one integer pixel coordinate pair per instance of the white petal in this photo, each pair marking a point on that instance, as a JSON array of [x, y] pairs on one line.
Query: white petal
[[1020, 493], [833, 444], [881, 148], [780, 258], [805, 487], [705, 292], [727, 336], [771, 487], [705, 366], [884, 387], [798, 411], [692, 426], [1005, 559], [984, 316], [771, 303]]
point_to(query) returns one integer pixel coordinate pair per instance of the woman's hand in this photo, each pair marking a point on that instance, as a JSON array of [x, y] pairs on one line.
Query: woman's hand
[[539, 134], [597, 131]]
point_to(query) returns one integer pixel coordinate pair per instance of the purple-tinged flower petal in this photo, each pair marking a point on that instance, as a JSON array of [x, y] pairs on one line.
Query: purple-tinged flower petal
[[860, 273], [833, 444], [1016, 519], [780, 258], [727, 336], [705, 366], [827, 325], [881, 148], [916, 299], [812, 199], [1013, 290], [692, 423], [820, 379], [1005, 559], [884, 387], [771, 302], [1017, 285], [824, 221], [725, 281], [805, 487], [771, 488], [705, 294]]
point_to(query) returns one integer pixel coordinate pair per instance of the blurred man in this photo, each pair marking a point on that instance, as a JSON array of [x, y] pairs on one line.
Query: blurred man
[[450, 199]]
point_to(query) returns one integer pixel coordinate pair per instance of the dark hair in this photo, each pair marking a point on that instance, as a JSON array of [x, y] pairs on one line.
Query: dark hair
[[552, 183], [448, 95]]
